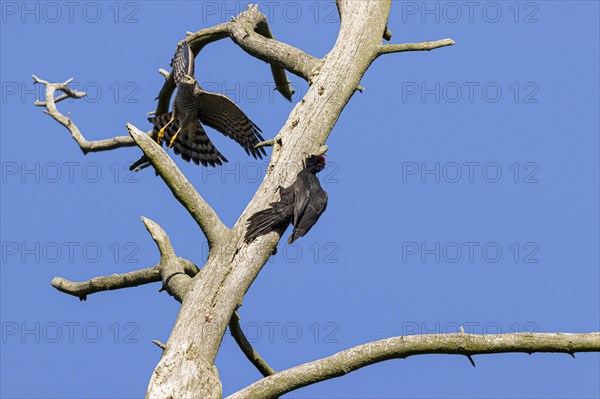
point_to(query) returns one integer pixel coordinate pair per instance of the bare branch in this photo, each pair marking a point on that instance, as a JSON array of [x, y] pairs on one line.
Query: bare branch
[[401, 347], [251, 32], [164, 73], [425, 46], [181, 188], [159, 344], [322, 150], [387, 34], [50, 104], [169, 271], [266, 143], [106, 283], [172, 272], [160, 238], [471, 360], [116, 281], [246, 347]]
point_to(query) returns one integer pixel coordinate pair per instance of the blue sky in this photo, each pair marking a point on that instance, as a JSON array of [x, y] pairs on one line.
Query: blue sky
[[463, 190]]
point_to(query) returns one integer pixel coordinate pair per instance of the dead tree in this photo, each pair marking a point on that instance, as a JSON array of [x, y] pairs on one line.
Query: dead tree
[[211, 295]]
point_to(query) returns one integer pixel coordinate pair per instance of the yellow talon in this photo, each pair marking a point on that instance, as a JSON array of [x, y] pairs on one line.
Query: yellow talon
[[161, 132], [173, 138]]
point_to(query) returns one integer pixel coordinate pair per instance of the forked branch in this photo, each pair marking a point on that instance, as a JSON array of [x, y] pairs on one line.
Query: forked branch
[[402, 347], [251, 32], [172, 272], [116, 281], [175, 273], [50, 105]]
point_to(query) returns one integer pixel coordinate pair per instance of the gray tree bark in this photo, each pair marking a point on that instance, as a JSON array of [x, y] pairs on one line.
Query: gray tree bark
[[209, 298]]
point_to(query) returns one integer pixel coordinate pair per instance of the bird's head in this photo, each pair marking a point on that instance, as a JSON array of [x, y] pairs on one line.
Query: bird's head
[[315, 163], [188, 80]]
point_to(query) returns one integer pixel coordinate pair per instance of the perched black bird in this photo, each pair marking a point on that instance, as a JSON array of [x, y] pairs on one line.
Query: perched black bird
[[301, 204], [193, 107]]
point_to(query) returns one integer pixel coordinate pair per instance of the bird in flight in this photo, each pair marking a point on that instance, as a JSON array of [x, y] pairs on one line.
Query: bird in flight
[[300, 204], [182, 127]]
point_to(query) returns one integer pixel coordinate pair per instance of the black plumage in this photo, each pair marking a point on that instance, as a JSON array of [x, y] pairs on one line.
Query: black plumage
[[300, 204]]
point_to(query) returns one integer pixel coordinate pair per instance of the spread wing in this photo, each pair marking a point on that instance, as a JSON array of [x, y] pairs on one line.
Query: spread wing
[[220, 113], [182, 62], [192, 144]]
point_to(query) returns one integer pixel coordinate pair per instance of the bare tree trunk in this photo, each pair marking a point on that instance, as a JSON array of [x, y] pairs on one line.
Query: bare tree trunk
[[186, 367]]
